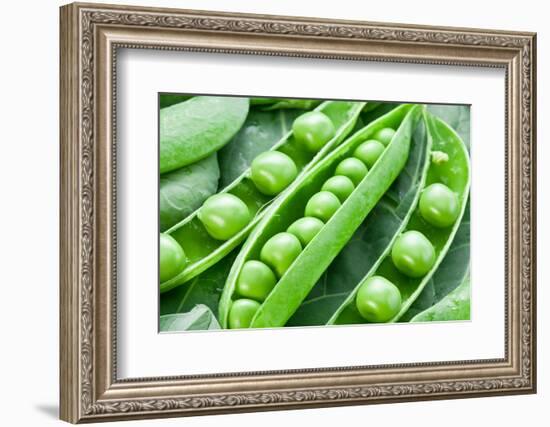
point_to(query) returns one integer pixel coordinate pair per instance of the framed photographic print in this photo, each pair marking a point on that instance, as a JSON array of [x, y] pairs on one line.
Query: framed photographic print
[[266, 212]]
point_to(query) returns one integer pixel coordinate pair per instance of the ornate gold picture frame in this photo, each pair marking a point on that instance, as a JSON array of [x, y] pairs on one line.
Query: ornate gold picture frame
[[90, 37]]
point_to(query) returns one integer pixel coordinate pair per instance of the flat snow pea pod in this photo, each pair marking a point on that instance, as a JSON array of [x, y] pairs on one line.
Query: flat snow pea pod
[[201, 249], [194, 129], [455, 174], [296, 282]]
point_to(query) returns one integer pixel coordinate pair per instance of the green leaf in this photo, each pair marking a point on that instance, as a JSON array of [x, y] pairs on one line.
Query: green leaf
[[455, 306], [261, 131], [452, 272], [184, 190], [368, 242], [456, 116], [206, 288], [200, 318], [194, 129]]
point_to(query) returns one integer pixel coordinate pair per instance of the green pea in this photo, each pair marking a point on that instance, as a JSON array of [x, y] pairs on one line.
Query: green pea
[[413, 254], [384, 135], [280, 251], [272, 172], [242, 312], [322, 205], [172, 259], [305, 229], [378, 300], [369, 152], [224, 215], [439, 205], [256, 280], [353, 168], [313, 130], [339, 185]]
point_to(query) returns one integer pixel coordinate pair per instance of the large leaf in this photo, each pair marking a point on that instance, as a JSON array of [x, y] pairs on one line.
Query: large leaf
[[456, 116], [452, 272], [455, 306], [261, 130], [368, 242], [200, 318], [184, 190]]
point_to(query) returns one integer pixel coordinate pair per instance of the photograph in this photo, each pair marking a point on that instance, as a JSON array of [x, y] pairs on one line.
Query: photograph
[[289, 212]]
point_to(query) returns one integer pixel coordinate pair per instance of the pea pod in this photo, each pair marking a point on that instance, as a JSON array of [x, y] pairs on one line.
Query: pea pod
[[201, 249], [294, 285], [450, 166], [194, 129]]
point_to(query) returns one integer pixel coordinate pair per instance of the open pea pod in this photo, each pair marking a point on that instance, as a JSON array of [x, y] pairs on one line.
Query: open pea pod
[[201, 249], [296, 282], [450, 166], [370, 240]]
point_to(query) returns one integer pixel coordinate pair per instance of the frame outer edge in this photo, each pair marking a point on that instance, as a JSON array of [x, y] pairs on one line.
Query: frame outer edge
[[533, 206], [78, 221], [69, 355]]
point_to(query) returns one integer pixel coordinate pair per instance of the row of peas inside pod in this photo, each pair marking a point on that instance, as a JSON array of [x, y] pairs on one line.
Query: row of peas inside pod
[[258, 277], [224, 215], [378, 300]]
